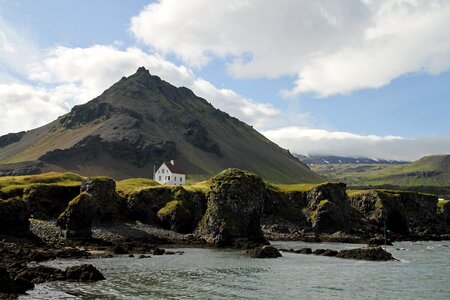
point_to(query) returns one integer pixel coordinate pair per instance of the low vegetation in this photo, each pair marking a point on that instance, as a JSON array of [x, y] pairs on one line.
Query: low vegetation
[[11, 186], [128, 186]]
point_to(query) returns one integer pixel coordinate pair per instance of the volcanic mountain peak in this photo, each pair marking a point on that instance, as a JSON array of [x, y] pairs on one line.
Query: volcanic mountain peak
[[143, 120]]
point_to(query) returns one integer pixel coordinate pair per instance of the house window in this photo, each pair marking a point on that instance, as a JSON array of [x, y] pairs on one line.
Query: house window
[[162, 170], [159, 178], [175, 178], [168, 177], [181, 179]]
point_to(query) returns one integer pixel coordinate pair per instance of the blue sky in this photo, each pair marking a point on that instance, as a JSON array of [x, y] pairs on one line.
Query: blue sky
[[358, 78]]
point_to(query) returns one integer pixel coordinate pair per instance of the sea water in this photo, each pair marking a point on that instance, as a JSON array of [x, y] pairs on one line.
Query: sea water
[[422, 272]]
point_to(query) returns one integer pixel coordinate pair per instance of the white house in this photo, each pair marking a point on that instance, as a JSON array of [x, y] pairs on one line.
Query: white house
[[169, 173]]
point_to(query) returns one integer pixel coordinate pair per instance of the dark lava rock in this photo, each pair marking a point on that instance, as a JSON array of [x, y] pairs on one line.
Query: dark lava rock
[[14, 218], [49, 201], [158, 251], [40, 274], [378, 241], [119, 249], [329, 252], [303, 251], [84, 273], [265, 251], [235, 206], [13, 286], [319, 251], [369, 253], [144, 256], [77, 219], [111, 205], [176, 217]]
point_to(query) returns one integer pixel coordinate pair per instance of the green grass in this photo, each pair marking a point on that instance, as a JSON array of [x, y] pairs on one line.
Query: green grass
[[14, 185], [128, 186], [202, 186], [300, 187]]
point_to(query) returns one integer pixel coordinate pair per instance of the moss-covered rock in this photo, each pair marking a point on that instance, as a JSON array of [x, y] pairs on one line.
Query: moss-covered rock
[[176, 217], [103, 189], [329, 209], [77, 219], [443, 211], [403, 212], [49, 201], [143, 205], [235, 206], [14, 218]]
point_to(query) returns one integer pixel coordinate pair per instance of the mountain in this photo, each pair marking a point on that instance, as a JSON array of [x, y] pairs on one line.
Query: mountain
[[141, 121], [331, 159], [428, 171]]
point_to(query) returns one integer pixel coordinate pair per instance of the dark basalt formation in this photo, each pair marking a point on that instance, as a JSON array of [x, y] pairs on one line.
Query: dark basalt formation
[[14, 218], [265, 251], [77, 219], [235, 206], [49, 201], [176, 217], [111, 206], [10, 138], [86, 272], [369, 253]]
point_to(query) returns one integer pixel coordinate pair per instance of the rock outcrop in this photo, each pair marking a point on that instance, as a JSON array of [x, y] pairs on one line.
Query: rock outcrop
[[77, 219], [369, 253], [103, 190], [176, 217], [403, 212], [13, 286], [235, 206], [49, 201], [265, 251], [86, 272], [14, 218]]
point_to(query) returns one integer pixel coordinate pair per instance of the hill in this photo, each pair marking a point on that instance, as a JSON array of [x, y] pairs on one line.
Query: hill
[[141, 121], [331, 159]]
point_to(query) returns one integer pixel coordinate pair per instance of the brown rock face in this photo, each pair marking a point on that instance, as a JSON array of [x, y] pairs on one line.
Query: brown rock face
[[235, 206], [369, 253]]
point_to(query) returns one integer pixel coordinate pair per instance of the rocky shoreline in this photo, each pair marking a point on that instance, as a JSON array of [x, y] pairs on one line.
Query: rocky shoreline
[[237, 210]]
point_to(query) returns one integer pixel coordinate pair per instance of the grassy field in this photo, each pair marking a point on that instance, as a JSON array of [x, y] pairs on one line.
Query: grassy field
[[12, 185]]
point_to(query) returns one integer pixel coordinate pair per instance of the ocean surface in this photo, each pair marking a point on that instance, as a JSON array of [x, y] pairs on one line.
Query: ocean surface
[[422, 272]]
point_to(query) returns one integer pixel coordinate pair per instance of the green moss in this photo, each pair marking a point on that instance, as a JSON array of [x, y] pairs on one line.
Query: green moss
[[442, 205], [323, 202], [170, 207]]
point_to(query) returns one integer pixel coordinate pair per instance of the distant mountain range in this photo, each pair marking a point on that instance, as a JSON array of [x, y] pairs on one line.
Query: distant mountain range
[[331, 159], [141, 121]]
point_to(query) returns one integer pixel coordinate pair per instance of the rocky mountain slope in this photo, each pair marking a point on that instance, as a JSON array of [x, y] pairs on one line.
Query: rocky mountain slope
[[141, 121]]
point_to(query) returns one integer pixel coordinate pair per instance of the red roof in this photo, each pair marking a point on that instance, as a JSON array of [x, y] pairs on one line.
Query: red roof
[[174, 168]]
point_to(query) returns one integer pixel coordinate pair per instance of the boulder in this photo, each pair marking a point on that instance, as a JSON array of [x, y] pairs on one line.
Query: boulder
[[77, 219], [84, 272], [369, 253], [103, 190], [303, 251], [265, 251], [14, 218], [40, 274], [13, 286], [235, 205], [175, 216], [49, 201], [158, 251]]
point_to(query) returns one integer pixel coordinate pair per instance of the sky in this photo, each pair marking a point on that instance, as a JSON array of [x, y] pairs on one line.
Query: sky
[[351, 78]]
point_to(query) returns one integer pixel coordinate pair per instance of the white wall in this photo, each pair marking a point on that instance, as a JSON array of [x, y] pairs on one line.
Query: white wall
[[163, 174]]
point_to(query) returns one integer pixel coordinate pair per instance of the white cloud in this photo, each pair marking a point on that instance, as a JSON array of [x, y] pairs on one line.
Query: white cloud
[[17, 49], [332, 46], [70, 76], [317, 141], [25, 107]]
